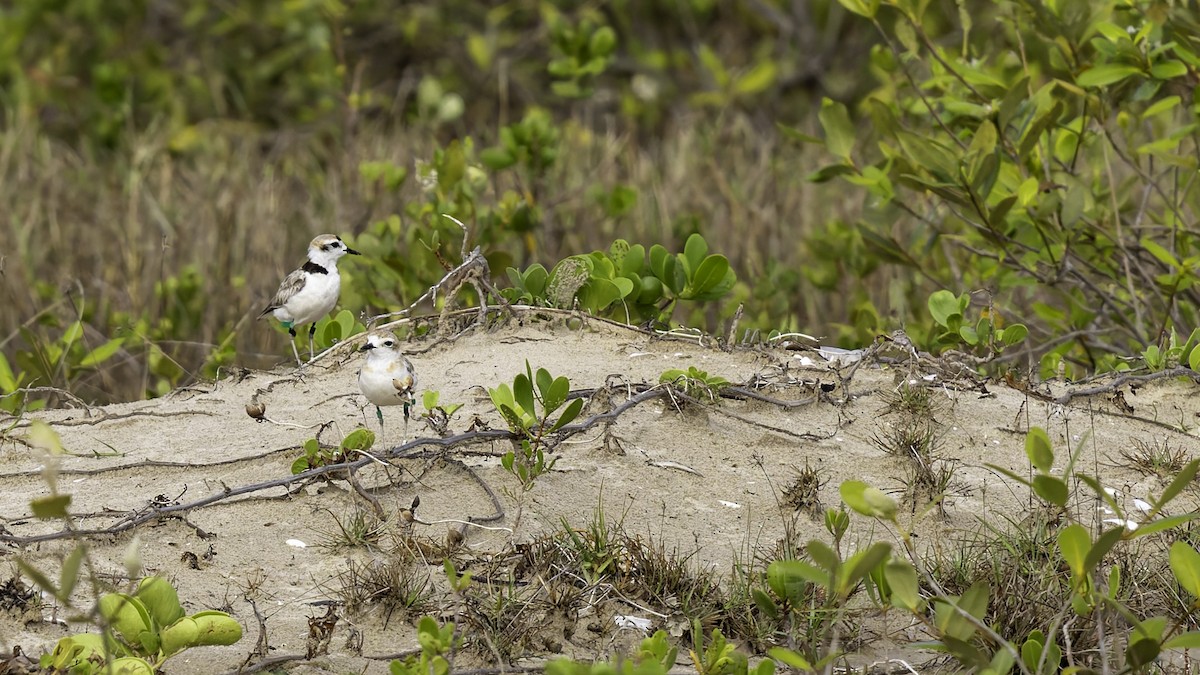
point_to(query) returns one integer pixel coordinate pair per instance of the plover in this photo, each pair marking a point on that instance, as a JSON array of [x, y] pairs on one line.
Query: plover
[[387, 377], [310, 292]]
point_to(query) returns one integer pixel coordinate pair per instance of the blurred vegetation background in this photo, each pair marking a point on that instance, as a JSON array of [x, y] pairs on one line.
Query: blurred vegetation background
[[164, 164]]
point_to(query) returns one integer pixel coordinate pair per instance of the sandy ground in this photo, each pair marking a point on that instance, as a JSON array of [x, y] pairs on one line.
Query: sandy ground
[[703, 479]]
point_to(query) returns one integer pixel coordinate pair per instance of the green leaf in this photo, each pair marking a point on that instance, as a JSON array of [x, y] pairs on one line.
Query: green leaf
[[942, 306], [523, 395], [545, 382], [101, 354], [1038, 449], [695, 250], [73, 333], [70, 572], [557, 394], [784, 655], [828, 173], [860, 565], [1163, 255], [39, 579], [794, 134], [709, 275], [1166, 70], [54, 506], [1164, 524], [788, 579], [1074, 543], [569, 413], [867, 500], [1106, 74], [359, 439], [1181, 481], [1185, 564], [1142, 652], [497, 159], [1039, 126], [1161, 106], [861, 7], [1012, 334], [1103, 545], [902, 578], [761, 76], [839, 132], [1028, 191], [1052, 489], [1188, 640], [764, 603]]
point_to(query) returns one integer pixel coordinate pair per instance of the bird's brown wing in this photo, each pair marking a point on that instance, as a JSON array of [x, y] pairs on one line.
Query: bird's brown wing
[[292, 284]]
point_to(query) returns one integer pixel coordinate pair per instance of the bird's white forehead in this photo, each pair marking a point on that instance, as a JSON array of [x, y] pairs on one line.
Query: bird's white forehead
[[379, 337], [323, 239]]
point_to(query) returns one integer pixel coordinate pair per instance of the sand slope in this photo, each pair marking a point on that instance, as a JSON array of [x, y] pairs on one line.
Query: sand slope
[[199, 442]]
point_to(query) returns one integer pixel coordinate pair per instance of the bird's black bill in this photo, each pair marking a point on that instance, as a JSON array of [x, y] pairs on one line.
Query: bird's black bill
[[352, 251], [366, 347]]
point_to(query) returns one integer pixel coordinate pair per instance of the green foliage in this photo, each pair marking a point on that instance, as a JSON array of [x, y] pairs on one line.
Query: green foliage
[[316, 455], [528, 407], [1036, 178], [142, 631], [624, 283], [437, 642], [950, 314], [694, 382], [54, 361], [597, 551], [438, 415], [527, 463], [582, 52], [330, 330], [961, 622], [11, 398]]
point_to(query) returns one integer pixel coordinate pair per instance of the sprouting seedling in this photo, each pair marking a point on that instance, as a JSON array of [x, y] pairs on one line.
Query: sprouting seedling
[[315, 455], [529, 412], [694, 382], [437, 415]]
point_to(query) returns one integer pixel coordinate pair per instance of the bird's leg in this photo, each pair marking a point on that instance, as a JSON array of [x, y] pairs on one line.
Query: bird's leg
[[292, 332], [406, 406], [379, 414], [312, 331]]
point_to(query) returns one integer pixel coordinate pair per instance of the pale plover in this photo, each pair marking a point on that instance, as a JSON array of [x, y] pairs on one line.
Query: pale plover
[[387, 377], [310, 292]]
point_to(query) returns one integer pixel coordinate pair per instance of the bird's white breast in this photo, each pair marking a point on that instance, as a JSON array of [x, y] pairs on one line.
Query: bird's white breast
[[316, 299], [376, 379]]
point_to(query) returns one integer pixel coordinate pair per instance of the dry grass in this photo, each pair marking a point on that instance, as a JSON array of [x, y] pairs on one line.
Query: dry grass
[[92, 236]]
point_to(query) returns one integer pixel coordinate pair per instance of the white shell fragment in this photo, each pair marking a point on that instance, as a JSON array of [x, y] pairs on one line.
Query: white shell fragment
[[1130, 525], [296, 543], [729, 505], [637, 622], [840, 356]]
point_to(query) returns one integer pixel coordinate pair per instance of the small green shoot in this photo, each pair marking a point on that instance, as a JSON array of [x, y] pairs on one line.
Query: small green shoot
[[695, 382], [316, 456]]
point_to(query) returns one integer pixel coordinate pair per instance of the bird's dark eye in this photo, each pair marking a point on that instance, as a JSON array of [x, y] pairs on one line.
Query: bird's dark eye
[[389, 343]]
